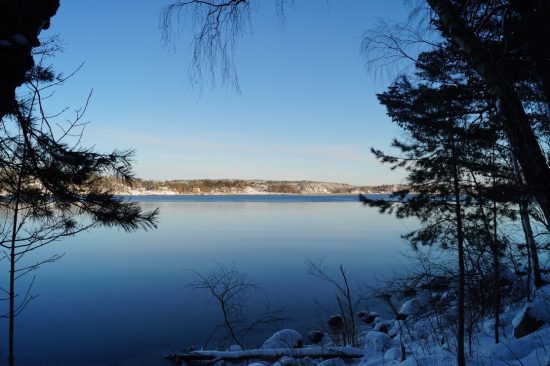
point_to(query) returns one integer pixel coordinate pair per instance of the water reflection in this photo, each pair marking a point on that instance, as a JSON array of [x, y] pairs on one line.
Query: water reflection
[[118, 298]]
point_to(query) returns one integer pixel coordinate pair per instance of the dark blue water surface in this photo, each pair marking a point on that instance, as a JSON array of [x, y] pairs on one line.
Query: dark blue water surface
[[252, 198], [121, 299]]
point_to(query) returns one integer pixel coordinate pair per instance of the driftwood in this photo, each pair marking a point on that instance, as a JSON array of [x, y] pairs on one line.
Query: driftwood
[[210, 357]]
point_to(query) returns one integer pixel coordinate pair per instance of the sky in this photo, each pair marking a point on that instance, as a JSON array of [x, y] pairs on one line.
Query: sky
[[306, 109]]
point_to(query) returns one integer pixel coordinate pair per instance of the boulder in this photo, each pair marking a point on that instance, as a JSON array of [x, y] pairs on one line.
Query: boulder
[[286, 338], [533, 315], [320, 338], [383, 326], [376, 343], [336, 322], [526, 323], [411, 307], [366, 317]]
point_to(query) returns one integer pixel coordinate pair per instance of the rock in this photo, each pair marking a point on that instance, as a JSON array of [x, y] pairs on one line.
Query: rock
[[382, 327], [320, 338], [526, 323], [367, 317], [235, 348], [336, 322], [411, 307], [286, 338], [393, 354], [316, 336], [332, 362], [533, 315], [286, 361], [376, 342], [400, 316]]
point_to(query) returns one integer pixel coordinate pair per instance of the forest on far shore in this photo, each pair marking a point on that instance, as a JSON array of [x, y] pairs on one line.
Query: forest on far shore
[[240, 186]]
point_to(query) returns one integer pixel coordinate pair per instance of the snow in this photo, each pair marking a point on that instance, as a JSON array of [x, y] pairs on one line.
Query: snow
[[509, 351], [393, 354], [539, 308], [376, 344], [519, 316], [286, 338], [425, 341], [411, 307]]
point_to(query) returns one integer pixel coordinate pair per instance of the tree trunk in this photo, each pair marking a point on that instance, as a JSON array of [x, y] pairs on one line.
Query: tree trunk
[[461, 267], [13, 258], [527, 229], [497, 297], [530, 241], [515, 121], [11, 353]]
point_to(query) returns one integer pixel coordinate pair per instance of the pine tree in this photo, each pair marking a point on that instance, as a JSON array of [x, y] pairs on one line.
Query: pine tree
[[51, 189], [454, 154]]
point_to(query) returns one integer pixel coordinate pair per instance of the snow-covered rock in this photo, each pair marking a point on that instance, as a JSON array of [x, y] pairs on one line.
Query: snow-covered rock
[[332, 362], [320, 338], [367, 317], [286, 338], [376, 342], [383, 325], [533, 315], [411, 307], [286, 361], [395, 328], [336, 322], [234, 348], [393, 354]]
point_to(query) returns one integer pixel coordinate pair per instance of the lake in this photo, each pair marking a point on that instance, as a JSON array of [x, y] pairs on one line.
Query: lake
[[122, 299]]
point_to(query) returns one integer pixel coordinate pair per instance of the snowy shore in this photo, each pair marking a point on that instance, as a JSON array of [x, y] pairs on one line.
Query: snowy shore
[[411, 338]]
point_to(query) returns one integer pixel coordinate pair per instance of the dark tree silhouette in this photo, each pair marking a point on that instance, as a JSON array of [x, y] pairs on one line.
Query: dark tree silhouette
[[20, 24], [505, 42], [51, 185], [437, 156], [457, 161]]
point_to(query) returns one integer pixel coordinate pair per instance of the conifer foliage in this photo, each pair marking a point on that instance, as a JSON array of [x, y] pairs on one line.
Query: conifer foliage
[[462, 169], [50, 185]]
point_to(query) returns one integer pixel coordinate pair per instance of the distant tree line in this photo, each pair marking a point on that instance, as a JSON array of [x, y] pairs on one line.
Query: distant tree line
[[239, 186]]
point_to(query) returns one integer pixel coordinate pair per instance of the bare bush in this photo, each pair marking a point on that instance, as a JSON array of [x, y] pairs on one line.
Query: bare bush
[[234, 292]]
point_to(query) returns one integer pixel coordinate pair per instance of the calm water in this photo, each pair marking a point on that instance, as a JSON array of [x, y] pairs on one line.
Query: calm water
[[121, 299]]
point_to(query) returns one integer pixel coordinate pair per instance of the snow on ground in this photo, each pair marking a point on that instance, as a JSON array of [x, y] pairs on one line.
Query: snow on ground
[[426, 341]]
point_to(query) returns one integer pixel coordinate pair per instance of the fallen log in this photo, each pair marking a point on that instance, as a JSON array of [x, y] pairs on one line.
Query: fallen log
[[210, 357]]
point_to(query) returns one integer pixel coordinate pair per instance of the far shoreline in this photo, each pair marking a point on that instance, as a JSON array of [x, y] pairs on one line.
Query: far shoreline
[[251, 194]]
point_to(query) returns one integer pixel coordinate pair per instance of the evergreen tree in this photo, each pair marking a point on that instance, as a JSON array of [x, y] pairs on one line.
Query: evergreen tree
[[455, 156], [51, 189], [505, 42]]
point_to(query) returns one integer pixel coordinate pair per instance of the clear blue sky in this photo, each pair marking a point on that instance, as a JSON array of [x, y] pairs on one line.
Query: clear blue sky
[[307, 107]]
